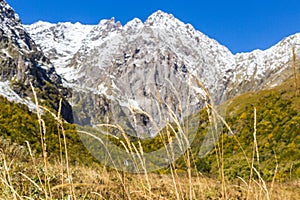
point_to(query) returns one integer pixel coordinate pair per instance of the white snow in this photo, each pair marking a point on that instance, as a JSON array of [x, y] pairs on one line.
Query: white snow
[[10, 95], [6, 53], [199, 91], [129, 103], [134, 24], [258, 62], [65, 38], [38, 27], [133, 103], [102, 89]]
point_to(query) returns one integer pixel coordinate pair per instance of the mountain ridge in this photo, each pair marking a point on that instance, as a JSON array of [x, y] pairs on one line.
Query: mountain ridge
[[238, 62], [121, 63], [139, 21]]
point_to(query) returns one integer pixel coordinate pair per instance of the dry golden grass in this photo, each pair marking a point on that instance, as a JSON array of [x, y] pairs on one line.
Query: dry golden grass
[[19, 180]]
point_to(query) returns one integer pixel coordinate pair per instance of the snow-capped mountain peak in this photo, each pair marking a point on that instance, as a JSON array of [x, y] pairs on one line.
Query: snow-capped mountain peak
[[123, 61], [161, 18], [67, 43], [134, 24], [39, 26], [262, 69], [60, 41]]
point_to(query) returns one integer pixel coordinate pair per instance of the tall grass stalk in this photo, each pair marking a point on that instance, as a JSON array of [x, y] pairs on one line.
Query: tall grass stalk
[[35, 165], [60, 122], [274, 177], [6, 179], [42, 128]]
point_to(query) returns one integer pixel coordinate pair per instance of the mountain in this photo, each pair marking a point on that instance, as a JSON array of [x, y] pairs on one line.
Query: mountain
[[136, 74], [264, 69], [23, 63], [161, 38], [133, 67], [68, 45]]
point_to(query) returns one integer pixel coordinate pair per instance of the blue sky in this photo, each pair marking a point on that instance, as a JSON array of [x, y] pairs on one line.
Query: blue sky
[[240, 25]]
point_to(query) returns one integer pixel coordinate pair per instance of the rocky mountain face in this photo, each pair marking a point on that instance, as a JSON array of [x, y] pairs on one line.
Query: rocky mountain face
[[140, 75], [264, 69], [137, 74], [22, 63], [110, 48]]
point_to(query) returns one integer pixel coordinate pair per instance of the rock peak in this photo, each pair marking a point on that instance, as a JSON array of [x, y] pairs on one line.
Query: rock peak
[[160, 17], [7, 13]]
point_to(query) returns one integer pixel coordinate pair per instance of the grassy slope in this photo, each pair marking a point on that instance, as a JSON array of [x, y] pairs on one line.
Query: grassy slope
[[278, 133], [18, 124]]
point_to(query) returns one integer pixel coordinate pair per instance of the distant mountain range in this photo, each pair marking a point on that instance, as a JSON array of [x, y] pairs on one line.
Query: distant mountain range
[[135, 74]]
